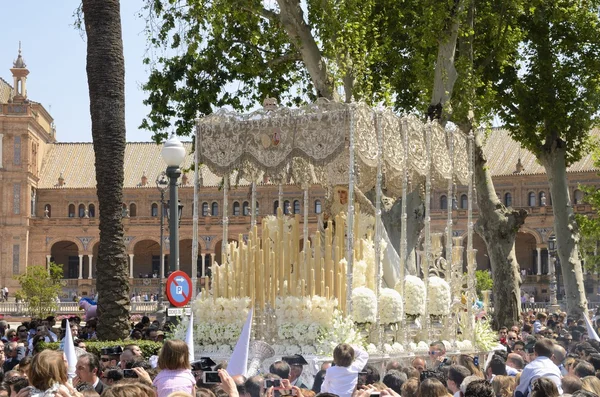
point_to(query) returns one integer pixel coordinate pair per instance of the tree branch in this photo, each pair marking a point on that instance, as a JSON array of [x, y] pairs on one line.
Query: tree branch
[[290, 56]]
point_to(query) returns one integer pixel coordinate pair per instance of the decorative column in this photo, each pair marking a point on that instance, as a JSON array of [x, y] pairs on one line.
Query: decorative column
[[48, 262], [80, 267], [130, 265], [350, 217], [378, 224], [539, 260], [224, 241], [203, 267], [253, 206], [90, 266], [403, 227]]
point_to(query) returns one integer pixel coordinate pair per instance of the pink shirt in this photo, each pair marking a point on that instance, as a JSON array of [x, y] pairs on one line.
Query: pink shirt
[[169, 380]]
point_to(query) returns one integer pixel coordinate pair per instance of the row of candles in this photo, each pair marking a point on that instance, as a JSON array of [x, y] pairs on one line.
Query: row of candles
[[274, 262]]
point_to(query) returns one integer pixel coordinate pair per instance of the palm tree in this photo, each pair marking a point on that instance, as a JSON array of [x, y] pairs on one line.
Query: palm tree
[[106, 81]]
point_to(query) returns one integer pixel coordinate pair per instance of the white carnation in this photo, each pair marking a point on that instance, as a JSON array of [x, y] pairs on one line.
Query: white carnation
[[438, 303], [364, 305], [414, 295], [390, 306]]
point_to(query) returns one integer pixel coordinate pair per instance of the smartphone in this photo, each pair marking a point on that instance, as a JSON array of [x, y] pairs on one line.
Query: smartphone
[[275, 383], [211, 377], [129, 373]]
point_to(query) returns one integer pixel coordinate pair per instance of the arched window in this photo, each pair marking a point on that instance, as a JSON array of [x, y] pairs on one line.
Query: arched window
[[257, 211], [48, 211], [236, 208], [296, 206], [71, 210], [508, 199], [214, 211], [132, 209], [286, 207], [318, 208], [154, 209], [81, 210], [92, 210], [464, 202], [444, 203], [531, 199], [543, 199], [246, 208], [578, 197], [124, 211], [275, 206], [205, 209]]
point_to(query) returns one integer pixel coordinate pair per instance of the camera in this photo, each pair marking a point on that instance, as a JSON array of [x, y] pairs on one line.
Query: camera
[[275, 383], [211, 377]]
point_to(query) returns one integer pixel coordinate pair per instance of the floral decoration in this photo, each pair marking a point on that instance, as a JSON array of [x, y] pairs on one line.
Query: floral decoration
[[438, 294], [414, 295], [364, 305], [390, 306]]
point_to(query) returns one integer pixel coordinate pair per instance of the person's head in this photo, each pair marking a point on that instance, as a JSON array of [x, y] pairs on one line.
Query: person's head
[[136, 389], [10, 350], [410, 388], [343, 355], [112, 375], [109, 358], [541, 317], [479, 388], [11, 334], [151, 334], [135, 349], [136, 334], [127, 357], [25, 364], [584, 393], [47, 368], [437, 351], [543, 387], [87, 368], [280, 368], [584, 369], [594, 359], [368, 376], [570, 384], [432, 387], [468, 362], [394, 379], [515, 361], [254, 386], [544, 348], [456, 375], [558, 354], [497, 366], [503, 386], [502, 333], [511, 338], [419, 364], [174, 355], [591, 383]]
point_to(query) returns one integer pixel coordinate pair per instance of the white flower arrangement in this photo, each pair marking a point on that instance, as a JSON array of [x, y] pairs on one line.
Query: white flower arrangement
[[302, 321], [485, 337], [218, 322], [414, 295], [342, 330], [372, 349], [390, 306], [418, 347], [364, 305], [438, 294], [464, 345]]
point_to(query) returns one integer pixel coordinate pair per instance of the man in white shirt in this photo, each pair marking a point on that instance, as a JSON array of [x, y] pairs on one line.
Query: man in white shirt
[[542, 366], [456, 375]]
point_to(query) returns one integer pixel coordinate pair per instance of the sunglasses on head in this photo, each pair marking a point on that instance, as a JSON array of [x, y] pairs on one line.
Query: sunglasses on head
[[431, 353]]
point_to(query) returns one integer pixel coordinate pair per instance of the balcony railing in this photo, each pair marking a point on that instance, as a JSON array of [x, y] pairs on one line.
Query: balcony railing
[[21, 309]]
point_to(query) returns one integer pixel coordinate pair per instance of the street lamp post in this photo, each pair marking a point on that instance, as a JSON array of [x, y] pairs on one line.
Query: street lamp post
[[553, 285], [173, 153], [162, 184]]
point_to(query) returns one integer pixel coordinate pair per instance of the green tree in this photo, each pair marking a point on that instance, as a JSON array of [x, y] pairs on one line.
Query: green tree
[[437, 59], [484, 282], [106, 80], [589, 225], [39, 289], [549, 96]]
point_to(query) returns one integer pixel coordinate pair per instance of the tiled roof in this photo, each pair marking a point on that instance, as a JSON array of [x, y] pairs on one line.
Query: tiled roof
[[503, 153], [76, 162], [5, 91]]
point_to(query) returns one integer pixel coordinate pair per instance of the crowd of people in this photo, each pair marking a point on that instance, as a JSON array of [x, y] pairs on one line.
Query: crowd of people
[[546, 355]]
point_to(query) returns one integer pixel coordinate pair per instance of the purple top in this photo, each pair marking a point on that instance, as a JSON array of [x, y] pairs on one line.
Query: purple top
[[169, 380]]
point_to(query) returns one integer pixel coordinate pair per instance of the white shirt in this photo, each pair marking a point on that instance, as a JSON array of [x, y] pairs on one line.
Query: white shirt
[[540, 367], [342, 380]]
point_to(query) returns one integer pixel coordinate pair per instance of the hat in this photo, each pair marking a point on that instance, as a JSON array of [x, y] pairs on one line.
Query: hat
[[160, 333], [204, 364], [111, 351], [296, 359]]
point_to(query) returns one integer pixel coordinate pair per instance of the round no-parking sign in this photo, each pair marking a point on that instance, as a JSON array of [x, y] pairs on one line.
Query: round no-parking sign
[[179, 288]]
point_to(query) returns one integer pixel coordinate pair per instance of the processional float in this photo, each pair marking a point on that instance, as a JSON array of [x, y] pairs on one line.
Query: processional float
[[330, 289]]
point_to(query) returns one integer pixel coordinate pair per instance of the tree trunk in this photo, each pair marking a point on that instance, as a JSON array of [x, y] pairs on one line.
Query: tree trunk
[[106, 81], [498, 227], [565, 228]]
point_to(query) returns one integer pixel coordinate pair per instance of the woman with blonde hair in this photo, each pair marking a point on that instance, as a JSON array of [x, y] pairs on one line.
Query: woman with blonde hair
[[469, 363], [503, 386], [432, 387], [591, 383], [129, 390], [48, 375], [175, 369]]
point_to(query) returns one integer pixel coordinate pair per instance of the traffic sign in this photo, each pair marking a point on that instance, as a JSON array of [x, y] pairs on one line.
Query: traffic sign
[[179, 288]]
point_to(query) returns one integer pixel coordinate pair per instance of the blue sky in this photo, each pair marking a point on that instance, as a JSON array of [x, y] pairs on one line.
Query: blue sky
[[55, 54]]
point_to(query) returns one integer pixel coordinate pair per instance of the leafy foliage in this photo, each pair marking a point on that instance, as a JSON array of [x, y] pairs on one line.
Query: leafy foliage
[[483, 282], [40, 288], [149, 348], [589, 225], [549, 93]]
